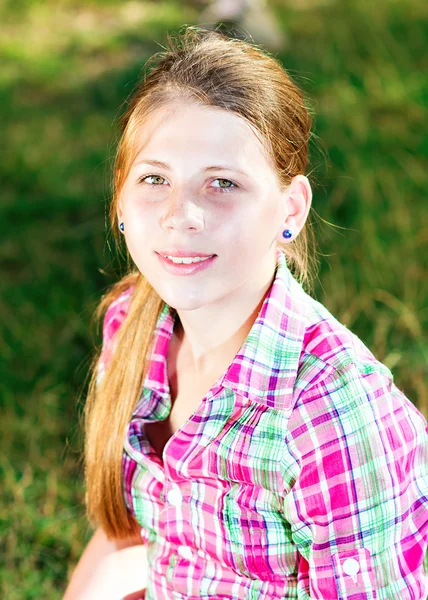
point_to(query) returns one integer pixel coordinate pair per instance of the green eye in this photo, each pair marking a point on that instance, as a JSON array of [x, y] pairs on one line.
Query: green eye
[[154, 177], [225, 187], [157, 180]]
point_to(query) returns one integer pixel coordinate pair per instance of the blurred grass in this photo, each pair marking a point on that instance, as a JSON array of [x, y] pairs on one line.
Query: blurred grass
[[66, 69]]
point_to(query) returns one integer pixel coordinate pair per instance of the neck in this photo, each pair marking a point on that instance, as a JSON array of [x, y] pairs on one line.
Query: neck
[[211, 336]]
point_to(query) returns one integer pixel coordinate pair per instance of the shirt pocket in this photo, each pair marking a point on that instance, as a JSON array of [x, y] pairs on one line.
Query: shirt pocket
[[354, 574], [255, 539], [249, 447]]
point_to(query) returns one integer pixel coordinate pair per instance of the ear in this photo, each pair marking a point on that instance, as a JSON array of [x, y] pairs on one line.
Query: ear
[[297, 199], [119, 210]]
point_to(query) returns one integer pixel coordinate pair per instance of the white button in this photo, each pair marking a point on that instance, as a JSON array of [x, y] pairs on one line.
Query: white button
[[351, 567], [174, 497], [185, 552]]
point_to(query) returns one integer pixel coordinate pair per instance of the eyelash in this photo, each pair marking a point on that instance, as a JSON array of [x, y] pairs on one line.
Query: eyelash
[[224, 190]]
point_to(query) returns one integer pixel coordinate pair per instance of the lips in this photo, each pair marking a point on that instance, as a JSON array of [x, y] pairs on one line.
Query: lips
[[186, 269], [183, 253]]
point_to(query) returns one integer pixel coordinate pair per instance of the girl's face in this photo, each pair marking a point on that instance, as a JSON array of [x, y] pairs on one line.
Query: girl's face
[[202, 182]]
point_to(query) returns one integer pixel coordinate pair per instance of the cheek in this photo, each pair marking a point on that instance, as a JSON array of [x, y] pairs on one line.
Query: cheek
[[271, 219], [140, 217], [140, 234], [256, 224]]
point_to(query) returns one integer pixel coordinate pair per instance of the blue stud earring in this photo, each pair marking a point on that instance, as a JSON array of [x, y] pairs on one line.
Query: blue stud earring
[[287, 234], [122, 227]]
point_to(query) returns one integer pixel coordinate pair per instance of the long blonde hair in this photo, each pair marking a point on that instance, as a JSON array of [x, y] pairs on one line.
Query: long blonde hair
[[234, 75]]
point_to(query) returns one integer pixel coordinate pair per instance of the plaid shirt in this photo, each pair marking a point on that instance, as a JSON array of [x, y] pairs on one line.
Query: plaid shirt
[[302, 474]]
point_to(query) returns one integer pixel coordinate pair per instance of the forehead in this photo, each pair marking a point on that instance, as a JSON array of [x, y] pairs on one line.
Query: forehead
[[198, 132]]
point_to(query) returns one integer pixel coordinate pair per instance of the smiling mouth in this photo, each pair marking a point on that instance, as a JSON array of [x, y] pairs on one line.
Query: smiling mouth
[[187, 260], [186, 265]]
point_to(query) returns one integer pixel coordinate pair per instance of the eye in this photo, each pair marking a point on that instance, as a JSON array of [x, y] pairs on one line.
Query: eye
[[226, 188], [157, 180], [143, 179]]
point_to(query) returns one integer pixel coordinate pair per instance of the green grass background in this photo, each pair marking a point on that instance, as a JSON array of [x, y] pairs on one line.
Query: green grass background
[[66, 68]]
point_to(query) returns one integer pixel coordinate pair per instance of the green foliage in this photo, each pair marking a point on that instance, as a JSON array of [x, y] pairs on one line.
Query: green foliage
[[66, 69]]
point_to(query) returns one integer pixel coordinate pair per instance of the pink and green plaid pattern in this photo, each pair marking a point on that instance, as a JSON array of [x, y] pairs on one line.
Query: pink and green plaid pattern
[[302, 475]]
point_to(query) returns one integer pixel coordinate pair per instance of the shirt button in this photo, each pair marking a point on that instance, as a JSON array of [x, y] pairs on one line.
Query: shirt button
[[185, 552], [351, 567], [174, 497]]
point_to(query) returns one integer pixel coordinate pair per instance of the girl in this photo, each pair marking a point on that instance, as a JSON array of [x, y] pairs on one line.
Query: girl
[[250, 443]]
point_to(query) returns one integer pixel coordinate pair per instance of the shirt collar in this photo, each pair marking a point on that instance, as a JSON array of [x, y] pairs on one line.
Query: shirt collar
[[265, 368]]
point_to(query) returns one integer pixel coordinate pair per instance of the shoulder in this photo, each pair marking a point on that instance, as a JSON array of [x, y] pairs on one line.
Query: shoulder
[[113, 318], [333, 353], [116, 313], [340, 383], [339, 376]]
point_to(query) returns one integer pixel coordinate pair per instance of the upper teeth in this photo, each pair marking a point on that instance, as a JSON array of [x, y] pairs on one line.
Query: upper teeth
[[187, 260]]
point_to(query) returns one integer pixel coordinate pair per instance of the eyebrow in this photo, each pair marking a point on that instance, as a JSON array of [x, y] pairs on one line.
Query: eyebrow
[[163, 165]]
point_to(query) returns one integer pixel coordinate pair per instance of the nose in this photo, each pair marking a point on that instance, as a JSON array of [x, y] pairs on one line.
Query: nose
[[182, 213]]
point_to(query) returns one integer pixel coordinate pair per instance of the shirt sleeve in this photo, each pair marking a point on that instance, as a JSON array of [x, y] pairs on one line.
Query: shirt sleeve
[[358, 509]]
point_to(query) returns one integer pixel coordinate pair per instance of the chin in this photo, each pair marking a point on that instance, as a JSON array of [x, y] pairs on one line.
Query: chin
[[180, 300], [185, 303]]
